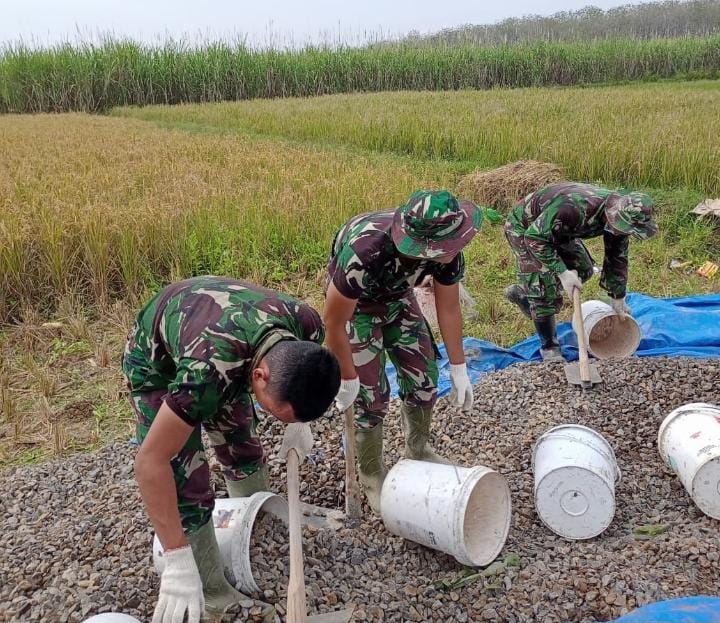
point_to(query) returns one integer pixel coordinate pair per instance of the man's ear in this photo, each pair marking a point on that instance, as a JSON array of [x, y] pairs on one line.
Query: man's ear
[[260, 377]]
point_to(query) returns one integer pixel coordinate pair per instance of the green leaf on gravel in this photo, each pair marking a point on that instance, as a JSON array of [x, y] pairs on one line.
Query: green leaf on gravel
[[648, 531], [513, 560]]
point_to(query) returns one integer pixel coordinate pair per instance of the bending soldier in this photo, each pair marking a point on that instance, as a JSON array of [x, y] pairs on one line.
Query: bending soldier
[[370, 310], [545, 232], [198, 353]]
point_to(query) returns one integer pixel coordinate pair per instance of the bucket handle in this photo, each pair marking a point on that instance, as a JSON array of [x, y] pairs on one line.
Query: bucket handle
[[618, 473]]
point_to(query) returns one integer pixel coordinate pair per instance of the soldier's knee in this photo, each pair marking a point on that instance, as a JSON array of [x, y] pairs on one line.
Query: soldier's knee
[[585, 273], [541, 308], [368, 419], [421, 396]]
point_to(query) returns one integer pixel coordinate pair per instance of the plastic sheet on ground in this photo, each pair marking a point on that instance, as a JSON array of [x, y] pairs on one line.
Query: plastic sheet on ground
[[685, 610], [675, 327]]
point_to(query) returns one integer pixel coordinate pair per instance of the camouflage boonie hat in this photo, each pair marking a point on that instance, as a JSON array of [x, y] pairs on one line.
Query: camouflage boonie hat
[[631, 214], [433, 223]]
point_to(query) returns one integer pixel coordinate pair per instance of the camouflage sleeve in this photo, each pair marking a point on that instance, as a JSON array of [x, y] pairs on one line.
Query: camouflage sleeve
[[311, 324], [348, 272], [196, 393], [559, 218], [615, 266], [451, 273]]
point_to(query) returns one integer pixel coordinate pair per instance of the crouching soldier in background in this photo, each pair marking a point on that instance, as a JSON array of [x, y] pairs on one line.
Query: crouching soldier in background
[[199, 352], [370, 310], [545, 232]]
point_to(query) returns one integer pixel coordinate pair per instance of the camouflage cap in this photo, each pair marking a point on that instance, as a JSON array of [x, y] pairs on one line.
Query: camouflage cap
[[433, 224], [631, 213]]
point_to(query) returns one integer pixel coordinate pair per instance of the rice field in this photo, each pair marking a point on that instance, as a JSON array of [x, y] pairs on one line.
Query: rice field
[[95, 77], [98, 209], [101, 208], [660, 135]]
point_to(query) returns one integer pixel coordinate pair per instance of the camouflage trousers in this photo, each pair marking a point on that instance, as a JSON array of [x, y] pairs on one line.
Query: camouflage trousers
[[399, 331], [231, 433], [543, 288]]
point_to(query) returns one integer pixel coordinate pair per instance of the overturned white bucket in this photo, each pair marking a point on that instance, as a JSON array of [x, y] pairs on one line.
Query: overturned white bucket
[[234, 519], [575, 475], [464, 512], [607, 335], [689, 443]]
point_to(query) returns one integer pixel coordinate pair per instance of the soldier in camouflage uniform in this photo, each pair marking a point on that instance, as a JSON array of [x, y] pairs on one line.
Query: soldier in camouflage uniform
[[545, 232], [370, 310], [199, 351]]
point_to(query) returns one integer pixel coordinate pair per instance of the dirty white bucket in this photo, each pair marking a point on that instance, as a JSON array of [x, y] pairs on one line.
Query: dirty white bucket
[[575, 475], [111, 617], [607, 336], [689, 443], [464, 512], [233, 519]]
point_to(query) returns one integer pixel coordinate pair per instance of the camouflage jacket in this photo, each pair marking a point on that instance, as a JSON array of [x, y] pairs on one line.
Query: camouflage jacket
[[559, 213], [202, 337], [365, 264]]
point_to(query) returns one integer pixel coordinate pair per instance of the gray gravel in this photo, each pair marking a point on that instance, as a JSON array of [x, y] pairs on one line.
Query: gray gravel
[[75, 541]]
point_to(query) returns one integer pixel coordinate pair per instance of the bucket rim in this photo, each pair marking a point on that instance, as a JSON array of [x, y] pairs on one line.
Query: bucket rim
[[241, 545], [478, 472], [698, 475], [671, 417], [597, 303], [604, 310]]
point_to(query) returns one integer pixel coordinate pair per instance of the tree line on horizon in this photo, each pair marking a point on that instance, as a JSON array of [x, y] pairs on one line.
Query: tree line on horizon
[[648, 20]]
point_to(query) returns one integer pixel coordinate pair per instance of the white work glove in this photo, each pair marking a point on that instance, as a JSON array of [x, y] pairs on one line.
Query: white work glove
[[570, 280], [349, 390], [462, 391], [180, 589], [620, 308]]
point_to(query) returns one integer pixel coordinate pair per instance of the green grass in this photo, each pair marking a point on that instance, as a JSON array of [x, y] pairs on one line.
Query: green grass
[[659, 135], [93, 78]]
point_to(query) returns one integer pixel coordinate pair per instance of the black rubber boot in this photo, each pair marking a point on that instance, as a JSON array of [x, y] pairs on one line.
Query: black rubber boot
[[517, 296], [549, 346]]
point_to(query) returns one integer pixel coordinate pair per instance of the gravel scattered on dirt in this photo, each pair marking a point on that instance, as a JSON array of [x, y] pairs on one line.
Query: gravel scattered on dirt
[[75, 540]]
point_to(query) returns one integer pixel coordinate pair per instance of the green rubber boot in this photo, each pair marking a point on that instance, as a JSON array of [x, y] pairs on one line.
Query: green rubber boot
[[257, 481], [219, 593], [549, 346], [415, 423], [371, 466]]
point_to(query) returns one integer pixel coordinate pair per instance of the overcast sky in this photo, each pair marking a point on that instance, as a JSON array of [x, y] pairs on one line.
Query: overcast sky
[[262, 21]]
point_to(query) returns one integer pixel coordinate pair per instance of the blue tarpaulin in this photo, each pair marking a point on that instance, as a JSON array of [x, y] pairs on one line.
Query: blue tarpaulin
[[685, 610], [686, 326]]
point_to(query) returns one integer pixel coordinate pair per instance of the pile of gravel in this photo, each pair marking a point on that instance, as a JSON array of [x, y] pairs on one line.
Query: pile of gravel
[[270, 557], [75, 540]]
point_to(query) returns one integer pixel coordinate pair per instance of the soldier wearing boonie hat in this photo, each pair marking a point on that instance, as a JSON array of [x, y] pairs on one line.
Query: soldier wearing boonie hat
[[545, 231], [370, 312]]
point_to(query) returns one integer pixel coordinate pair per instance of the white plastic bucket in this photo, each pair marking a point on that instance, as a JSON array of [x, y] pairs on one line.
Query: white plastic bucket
[[689, 443], [607, 336], [464, 512], [233, 519], [575, 475]]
